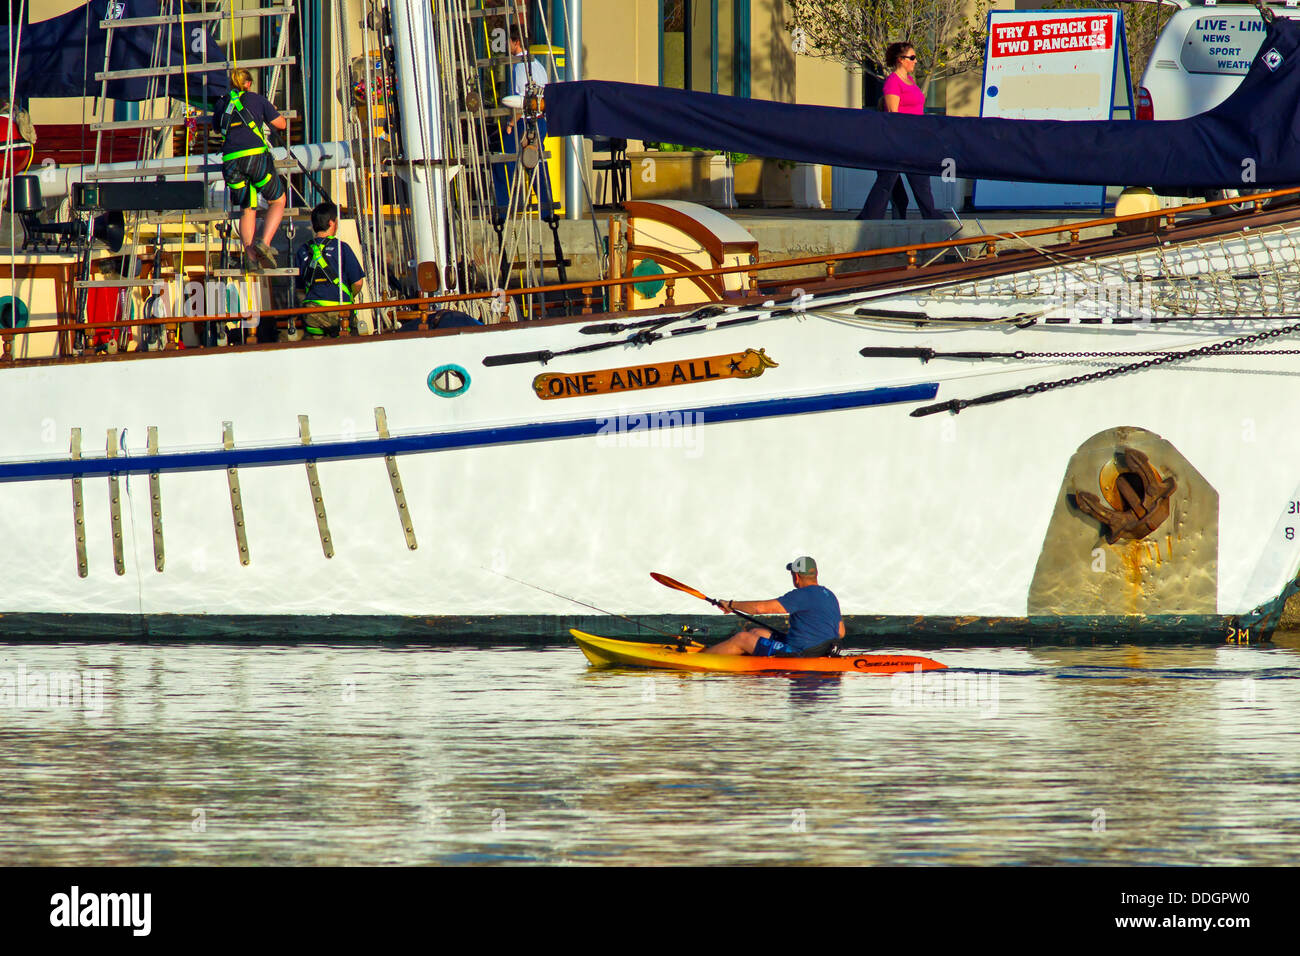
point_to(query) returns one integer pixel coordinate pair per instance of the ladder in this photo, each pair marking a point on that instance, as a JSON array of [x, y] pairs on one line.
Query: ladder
[[168, 81]]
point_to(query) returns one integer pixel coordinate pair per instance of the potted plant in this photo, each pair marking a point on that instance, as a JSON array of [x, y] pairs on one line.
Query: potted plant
[[663, 171]]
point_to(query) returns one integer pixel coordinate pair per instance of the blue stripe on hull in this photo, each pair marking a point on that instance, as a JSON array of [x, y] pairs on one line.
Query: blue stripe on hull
[[298, 453]]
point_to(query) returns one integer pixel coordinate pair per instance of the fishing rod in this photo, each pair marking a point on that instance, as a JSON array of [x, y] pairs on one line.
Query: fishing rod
[[593, 607]]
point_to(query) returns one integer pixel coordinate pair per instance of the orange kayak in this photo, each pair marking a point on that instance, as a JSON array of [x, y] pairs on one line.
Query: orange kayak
[[607, 652]]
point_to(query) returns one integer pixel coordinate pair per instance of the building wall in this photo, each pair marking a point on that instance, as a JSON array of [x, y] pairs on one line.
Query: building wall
[[620, 40], [772, 56], [963, 92]]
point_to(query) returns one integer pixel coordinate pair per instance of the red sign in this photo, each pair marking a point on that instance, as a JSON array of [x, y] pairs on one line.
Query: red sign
[[1038, 36]]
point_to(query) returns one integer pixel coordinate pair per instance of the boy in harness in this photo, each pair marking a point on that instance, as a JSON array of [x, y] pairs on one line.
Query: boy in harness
[[328, 272], [248, 165]]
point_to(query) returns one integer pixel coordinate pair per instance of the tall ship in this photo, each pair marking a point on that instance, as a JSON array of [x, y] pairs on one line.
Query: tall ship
[[1041, 437]]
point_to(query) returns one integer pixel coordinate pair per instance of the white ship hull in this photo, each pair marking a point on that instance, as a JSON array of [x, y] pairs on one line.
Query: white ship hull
[[941, 518]]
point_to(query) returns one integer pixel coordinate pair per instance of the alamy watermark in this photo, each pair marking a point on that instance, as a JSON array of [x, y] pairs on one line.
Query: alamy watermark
[[652, 430], [946, 689], [230, 298], [21, 689], [1139, 302], [77, 908]]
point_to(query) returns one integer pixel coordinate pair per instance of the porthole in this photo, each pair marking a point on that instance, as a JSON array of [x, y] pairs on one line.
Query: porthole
[[449, 381]]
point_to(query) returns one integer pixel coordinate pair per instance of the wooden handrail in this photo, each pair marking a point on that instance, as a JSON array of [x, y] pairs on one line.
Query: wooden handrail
[[989, 241]]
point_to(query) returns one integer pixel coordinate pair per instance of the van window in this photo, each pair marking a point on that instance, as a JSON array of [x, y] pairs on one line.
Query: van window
[[1224, 44]]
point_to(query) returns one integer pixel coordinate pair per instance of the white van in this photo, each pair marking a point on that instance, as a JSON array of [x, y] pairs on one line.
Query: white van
[[1200, 57]]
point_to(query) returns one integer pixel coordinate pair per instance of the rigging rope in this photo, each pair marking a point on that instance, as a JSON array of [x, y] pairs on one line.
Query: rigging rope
[[452, 191], [403, 234], [15, 51], [475, 180], [369, 155], [365, 231], [588, 188], [424, 134], [185, 92]]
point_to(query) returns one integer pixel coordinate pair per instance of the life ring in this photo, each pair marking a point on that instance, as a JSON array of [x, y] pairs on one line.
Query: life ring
[[13, 313], [15, 152]]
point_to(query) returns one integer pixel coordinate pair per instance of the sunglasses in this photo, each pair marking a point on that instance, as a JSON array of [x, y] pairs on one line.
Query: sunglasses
[[912, 57]]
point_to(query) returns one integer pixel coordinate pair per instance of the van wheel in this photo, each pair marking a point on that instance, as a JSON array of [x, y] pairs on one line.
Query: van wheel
[[1236, 207]]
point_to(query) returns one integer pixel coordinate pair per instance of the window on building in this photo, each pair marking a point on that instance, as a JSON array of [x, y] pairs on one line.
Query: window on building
[[704, 45], [674, 45]]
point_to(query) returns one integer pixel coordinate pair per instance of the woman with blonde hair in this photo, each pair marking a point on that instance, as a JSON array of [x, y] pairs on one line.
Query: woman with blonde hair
[[902, 95], [247, 164]]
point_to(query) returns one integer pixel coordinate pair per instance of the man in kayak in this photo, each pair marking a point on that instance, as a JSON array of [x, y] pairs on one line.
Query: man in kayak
[[815, 623]]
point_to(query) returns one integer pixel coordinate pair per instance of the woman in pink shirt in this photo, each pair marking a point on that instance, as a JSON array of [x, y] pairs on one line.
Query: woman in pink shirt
[[902, 95]]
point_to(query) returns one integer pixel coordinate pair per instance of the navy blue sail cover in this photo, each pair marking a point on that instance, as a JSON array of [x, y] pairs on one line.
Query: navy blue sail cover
[[60, 56], [1249, 139]]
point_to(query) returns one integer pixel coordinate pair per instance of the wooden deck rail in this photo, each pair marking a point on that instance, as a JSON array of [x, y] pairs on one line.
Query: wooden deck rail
[[828, 261]]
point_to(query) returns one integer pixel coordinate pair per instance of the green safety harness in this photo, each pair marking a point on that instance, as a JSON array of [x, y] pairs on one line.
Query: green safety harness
[[236, 106], [320, 273]]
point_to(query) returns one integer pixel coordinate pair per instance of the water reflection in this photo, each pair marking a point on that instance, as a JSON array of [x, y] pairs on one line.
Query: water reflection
[[372, 755]]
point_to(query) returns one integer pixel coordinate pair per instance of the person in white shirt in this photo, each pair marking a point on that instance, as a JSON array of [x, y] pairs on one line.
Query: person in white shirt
[[521, 73]]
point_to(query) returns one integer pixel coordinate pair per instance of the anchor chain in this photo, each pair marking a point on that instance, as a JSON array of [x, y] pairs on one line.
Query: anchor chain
[[956, 405], [1024, 355]]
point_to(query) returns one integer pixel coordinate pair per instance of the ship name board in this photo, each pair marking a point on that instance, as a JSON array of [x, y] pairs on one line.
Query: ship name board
[[750, 363]]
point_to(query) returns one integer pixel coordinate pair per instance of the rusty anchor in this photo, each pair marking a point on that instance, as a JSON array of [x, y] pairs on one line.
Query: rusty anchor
[[1142, 512]]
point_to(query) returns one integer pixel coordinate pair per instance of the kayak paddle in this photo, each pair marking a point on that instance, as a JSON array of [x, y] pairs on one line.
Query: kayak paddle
[[668, 582]]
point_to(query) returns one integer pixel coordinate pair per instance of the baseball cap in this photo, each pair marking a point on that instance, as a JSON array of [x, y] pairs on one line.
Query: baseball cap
[[804, 565]]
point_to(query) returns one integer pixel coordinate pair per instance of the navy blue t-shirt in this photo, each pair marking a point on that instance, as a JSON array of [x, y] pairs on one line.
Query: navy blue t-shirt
[[814, 616], [322, 287], [238, 135]]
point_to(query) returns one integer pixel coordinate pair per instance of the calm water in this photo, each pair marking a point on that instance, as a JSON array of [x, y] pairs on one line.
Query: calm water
[[332, 754]]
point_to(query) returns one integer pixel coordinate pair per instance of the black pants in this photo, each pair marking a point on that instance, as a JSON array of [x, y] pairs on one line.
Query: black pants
[[243, 175], [878, 198], [898, 199]]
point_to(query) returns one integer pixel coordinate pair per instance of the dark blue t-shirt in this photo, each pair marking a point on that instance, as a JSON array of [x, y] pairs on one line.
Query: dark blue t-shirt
[[238, 135], [814, 616], [318, 283]]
